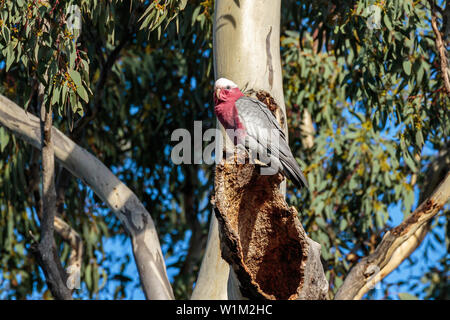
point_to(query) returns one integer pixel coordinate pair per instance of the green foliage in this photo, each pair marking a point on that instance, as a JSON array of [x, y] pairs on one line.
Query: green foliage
[[37, 39]]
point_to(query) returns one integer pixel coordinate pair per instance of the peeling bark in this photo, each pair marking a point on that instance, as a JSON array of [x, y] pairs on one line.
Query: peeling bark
[[262, 238]]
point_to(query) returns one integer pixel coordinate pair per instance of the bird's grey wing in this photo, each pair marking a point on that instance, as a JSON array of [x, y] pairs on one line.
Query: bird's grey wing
[[257, 124], [265, 136], [254, 107]]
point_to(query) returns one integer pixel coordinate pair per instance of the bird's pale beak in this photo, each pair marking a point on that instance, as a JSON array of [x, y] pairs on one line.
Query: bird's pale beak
[[218, 93]]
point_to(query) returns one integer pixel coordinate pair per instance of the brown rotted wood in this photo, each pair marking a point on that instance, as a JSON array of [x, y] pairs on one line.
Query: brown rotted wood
[[261, 237]]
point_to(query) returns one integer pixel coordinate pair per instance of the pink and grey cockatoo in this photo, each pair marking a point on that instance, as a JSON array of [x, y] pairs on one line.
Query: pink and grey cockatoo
[[256, 127]]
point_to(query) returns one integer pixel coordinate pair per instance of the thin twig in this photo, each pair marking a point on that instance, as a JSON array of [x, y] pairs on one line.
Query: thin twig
[[440, 47]]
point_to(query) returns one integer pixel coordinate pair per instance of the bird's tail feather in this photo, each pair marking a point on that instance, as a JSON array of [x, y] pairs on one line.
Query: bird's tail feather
[[292, 170]]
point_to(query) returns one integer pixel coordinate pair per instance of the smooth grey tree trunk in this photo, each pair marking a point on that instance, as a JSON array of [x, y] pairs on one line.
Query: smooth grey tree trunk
[[246, 37]]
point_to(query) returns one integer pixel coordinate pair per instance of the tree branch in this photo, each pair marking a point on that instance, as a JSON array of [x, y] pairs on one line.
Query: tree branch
[[441, 48], [46, 254], [136, 220], [65, 231], [263, 240], [395, 246], [307, 130]]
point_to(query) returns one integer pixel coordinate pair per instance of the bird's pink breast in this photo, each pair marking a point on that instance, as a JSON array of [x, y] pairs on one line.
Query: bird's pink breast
[[227, 112]]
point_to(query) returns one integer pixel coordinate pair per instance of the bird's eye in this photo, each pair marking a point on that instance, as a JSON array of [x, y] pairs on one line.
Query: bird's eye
[[228, 87]]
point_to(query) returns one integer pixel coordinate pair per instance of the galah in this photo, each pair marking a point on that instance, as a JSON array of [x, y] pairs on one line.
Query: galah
[[255, 128]]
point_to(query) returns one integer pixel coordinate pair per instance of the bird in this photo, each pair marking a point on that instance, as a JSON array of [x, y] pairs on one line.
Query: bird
[[256, 127]]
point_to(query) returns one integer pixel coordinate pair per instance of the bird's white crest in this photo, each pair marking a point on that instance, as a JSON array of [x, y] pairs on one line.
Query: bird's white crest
[[223, 83]]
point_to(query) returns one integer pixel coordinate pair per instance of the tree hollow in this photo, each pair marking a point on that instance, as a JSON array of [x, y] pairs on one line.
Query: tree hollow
[[261, 236]]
